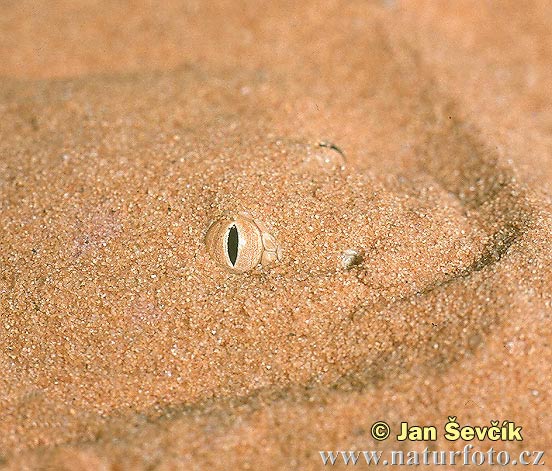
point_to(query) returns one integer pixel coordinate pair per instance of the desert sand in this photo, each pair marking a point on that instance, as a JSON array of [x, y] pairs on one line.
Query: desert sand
[[128, 127]]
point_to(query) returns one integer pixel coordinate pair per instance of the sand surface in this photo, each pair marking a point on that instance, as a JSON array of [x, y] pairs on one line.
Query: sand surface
[[128, 127]]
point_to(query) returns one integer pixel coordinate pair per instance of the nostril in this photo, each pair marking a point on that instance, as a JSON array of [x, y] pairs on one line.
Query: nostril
[[324, 157], [331, 146]]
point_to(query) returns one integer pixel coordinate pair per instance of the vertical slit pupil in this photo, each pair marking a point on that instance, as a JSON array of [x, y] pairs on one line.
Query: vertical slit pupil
[[232, 244]]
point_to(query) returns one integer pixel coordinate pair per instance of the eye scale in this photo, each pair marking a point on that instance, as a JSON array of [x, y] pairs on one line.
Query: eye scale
[[240, 243], [350, 258]]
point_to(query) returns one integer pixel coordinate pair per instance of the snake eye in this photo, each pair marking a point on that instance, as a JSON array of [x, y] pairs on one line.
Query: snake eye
[[232, 244], [239, 243]]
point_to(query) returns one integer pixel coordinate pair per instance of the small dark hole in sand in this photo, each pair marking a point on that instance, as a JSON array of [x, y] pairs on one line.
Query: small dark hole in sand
[[232, 244]]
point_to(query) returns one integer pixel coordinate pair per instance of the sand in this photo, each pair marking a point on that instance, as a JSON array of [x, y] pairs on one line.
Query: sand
[[128, 128]]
